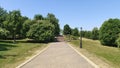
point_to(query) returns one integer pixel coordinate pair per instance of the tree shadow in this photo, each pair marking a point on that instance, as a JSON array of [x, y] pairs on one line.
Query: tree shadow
[[6, 56], [4, 46], [6, 41], [2, 57], [22, 41]]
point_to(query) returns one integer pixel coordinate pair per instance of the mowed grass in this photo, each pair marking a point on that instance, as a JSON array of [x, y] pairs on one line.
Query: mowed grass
[[11, 55], [109, 54]]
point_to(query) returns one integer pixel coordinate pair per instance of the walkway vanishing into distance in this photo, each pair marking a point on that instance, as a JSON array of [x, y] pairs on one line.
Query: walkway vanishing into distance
[[58, 55]]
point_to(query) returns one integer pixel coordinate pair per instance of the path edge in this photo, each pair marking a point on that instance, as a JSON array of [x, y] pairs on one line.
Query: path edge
[[27, 61], [89, 61]]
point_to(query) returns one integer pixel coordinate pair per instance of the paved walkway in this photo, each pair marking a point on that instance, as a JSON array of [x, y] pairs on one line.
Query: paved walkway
[[58, 55]]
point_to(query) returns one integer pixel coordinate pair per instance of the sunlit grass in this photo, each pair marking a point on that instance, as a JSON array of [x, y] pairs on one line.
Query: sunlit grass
[[111, 54], [12, 55]]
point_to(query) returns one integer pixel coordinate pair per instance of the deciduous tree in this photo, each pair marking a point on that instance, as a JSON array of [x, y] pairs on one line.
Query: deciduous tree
[[54, 21], [67, 30], [13, 23], [109, 32], [42, 32]]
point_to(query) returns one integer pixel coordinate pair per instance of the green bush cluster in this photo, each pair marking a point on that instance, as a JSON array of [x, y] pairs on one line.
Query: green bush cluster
[[42, 32]]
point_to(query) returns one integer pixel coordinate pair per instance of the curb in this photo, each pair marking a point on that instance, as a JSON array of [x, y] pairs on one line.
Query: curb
[[27, 61], [89, 61]]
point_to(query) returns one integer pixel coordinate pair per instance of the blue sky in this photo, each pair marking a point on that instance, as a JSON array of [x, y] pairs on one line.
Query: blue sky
[[77, 13]]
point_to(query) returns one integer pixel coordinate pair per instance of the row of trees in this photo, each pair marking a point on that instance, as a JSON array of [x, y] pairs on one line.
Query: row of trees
[[108, 34], [14, 25], [94, 34], [69, 31]]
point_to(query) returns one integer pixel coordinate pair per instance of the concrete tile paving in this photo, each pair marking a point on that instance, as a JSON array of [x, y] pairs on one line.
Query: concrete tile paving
[[58, 55]]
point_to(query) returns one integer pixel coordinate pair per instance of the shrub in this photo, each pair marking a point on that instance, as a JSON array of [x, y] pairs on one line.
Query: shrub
[[42, 32]]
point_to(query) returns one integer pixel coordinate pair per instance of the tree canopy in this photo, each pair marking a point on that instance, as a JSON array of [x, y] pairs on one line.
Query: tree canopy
[[3, 15], [95, 33], [109, 32], [3, 33], [75, 32], [42, 32], [53, 20], [67, 30], [38, 17], [13, 23]]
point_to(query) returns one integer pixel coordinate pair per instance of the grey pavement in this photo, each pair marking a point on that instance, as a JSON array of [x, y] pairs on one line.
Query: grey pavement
[[58, 55]]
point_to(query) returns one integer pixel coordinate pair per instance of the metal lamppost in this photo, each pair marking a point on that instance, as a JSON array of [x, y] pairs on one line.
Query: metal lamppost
[[81, 37]]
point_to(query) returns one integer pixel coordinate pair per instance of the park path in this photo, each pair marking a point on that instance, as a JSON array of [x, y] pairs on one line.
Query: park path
[[58, 55]]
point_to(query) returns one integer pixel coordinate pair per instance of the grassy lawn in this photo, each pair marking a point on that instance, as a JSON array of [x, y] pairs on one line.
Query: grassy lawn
[[11, 55], [110, 55]]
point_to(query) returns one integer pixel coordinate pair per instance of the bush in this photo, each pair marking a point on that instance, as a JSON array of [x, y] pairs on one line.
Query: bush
[[42, 32], [109, 32]]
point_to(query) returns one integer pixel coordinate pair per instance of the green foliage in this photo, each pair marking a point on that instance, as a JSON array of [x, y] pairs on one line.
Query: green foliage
[[67, 30], [3, 33], [38, 17], [42, 32], [40, 28], [3, 15], [83, 33], [21, 34], [109, 32], [75, 32], [13, 23], [26, 26], [53, 20], [118, 41], [95, 33], [87, 34]]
